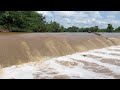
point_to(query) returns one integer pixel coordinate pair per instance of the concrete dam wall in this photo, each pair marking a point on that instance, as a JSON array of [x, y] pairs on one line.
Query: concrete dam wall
[[17, 48]]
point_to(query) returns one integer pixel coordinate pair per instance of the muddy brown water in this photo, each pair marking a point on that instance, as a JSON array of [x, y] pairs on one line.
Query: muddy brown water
[[16, 48]]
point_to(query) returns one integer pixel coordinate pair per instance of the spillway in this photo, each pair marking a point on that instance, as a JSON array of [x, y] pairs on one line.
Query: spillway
[[17, 48]]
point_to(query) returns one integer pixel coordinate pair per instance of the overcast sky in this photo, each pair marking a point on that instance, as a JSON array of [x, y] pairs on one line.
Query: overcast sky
[[83, 18]]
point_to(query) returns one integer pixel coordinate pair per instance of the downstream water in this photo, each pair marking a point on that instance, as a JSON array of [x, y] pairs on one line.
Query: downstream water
[[94, 64], [17, 48]]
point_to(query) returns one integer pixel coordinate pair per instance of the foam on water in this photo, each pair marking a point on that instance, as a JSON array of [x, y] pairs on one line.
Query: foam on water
[[75, 66]]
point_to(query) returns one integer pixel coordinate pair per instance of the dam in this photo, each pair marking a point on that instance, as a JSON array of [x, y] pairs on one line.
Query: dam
[[18, 48]]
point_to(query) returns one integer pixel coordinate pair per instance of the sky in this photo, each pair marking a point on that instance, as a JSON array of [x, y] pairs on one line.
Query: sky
[[83, 18]]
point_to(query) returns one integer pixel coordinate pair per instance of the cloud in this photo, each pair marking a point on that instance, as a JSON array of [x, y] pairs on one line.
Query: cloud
[[83, 18], [45, 13], [65, 14]]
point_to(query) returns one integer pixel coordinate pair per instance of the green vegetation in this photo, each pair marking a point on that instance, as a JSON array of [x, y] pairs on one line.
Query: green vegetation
[[31, 21], [21, 21]]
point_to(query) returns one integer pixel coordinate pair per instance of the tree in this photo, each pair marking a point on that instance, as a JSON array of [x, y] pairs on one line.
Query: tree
[[81, 29], [73, 29], [31, 21], [93, 29], [53, 27], [109, 28], [16, 21], [62, 29], [96, 28], [117, 29]]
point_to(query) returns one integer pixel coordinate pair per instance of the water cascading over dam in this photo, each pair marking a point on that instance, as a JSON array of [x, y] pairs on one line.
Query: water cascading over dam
[[16, 48]]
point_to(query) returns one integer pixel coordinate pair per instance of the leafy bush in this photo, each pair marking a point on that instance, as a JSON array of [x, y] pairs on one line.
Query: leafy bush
[[20, 21]]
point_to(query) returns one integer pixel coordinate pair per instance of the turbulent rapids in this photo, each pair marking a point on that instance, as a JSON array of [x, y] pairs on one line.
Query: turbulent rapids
[[94, 64], [17, 48]]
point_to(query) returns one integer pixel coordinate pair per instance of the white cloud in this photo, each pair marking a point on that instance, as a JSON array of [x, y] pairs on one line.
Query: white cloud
[[111, 17], [83, 18], [45, 13], [66, 14]]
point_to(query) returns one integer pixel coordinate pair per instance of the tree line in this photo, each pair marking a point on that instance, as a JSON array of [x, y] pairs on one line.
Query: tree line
[[31, 21]]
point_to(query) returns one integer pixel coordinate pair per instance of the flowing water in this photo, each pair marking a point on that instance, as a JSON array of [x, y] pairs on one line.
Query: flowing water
[[17, 48], [93, 64]]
